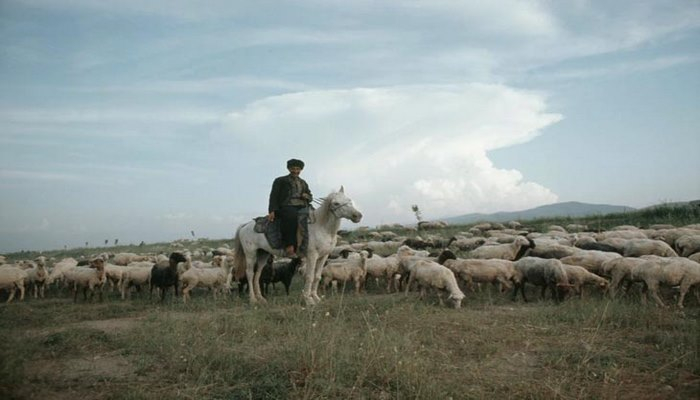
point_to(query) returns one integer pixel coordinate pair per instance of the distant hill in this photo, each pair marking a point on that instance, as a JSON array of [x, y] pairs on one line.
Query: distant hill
[[566, 209]]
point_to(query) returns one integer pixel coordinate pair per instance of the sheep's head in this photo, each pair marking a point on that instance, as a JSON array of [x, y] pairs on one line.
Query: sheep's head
[[176, 257], [97, 263], [446, 255], [456, 299]]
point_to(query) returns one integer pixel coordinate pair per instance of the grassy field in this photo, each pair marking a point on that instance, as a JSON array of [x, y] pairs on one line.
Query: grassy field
[[371, 346]]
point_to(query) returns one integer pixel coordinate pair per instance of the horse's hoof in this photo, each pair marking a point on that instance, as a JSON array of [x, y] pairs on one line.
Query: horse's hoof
[[310, 302]]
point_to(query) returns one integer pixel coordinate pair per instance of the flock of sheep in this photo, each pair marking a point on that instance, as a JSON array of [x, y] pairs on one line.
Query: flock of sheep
[[562, 260]]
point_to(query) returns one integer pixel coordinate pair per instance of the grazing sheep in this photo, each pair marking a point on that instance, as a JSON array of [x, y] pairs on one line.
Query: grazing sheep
[[115, 275], [423, 225], [165, 276], [416, 243], [135, 274], [589, 243], [382, 267], [547, 273], [643, 247], [37, 276], [280, 271], [87, 278], [498, 272], [621, 234], [60, 268], [592, 260], [688, 245], [580, 276], [671, 235], [670, 271], [429, 274], [552, 250], [381, 248], [466, 244], [620, 271], [344, 270], [510, 251], [695, 257], [214, 278], [12, 278], [127, 258]]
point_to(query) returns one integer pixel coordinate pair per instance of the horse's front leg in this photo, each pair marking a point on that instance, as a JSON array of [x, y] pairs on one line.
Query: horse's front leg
[[309, 273], [255, 287], [318, 270]]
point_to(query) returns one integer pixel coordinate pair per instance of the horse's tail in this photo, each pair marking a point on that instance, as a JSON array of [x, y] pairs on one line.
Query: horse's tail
[[239, 262]]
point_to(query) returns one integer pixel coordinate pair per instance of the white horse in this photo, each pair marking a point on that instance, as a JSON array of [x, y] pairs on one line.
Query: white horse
[[253, 249]]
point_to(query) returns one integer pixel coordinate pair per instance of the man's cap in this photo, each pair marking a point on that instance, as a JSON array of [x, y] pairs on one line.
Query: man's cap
[[295, 163]]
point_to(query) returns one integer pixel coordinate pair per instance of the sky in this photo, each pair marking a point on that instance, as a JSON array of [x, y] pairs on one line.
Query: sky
[[150, 120]]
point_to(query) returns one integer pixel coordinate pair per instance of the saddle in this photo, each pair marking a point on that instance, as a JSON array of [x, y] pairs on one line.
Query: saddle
[[273, 234]]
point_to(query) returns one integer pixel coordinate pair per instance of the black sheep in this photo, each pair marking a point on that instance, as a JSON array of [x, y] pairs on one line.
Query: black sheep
[[280, 271], [164, 276]]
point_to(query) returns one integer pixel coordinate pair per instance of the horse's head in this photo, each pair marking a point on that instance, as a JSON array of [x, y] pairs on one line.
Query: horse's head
[[343, 207]]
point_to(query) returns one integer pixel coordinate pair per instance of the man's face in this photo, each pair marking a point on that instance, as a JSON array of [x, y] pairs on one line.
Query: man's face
[[295, 171]]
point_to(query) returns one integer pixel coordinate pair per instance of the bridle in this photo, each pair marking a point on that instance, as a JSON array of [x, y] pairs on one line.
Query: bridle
[[334, 209]]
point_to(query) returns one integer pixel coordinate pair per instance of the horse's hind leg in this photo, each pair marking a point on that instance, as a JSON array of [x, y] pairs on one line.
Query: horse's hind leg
[[261, 261], [250, 275]]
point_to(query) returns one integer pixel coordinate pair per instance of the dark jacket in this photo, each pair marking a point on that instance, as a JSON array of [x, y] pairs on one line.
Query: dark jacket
[[282, 191]]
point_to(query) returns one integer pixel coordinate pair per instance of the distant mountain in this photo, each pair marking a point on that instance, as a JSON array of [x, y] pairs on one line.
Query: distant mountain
[[566, 209]]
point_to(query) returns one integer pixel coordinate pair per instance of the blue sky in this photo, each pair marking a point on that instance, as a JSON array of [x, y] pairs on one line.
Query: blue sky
[[144, 120]]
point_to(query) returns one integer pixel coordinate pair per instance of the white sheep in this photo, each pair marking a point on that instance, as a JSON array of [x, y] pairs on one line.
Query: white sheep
[[423, 225], [510, 251], [127, 258], [695, 257], [580, 276], [136, 274], [544, 272], [643, 247], [115, 275], [592, 260], [215, 278], [466, 244], [545, 249], [12, 278], [60, 268], [37, 276], [343, 270], [671, 235], [429, 274], [670, 271], [622, 234], [383, 267], [688, 245], [87, 278], [621, 270], [381, 248], [494, 271]]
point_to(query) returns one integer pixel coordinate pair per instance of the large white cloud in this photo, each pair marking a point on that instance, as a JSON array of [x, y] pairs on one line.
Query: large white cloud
[[398, 146]]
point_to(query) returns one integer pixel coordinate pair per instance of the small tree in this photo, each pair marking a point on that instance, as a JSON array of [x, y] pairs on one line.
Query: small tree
[[417, 212]]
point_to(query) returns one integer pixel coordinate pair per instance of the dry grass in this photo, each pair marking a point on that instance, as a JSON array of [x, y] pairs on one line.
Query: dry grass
[[373, 346]]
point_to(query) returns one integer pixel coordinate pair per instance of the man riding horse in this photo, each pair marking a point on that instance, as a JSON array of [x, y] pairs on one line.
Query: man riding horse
[[289, 196]]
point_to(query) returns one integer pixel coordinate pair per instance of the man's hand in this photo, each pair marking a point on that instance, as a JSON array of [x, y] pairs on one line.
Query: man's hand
[[271, 216]]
